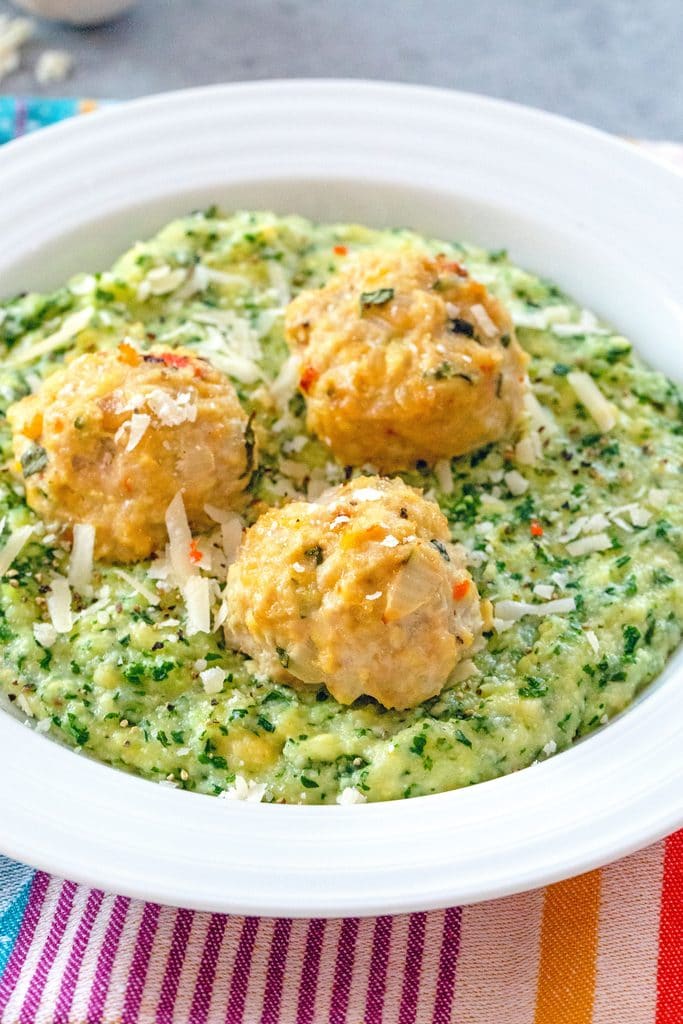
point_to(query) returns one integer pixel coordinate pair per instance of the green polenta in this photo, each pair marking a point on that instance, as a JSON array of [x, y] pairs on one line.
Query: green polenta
[[125, 684]]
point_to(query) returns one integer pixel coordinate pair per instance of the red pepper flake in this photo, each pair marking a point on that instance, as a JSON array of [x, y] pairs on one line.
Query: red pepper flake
[[308, 378], [341, 250], [536, 528], [175, 360], [195, 553], [452, 266], [460, 590]]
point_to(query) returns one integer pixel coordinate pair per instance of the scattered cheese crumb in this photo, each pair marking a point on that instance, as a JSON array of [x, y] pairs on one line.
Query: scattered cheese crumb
[[484, 321], [389, 541], [374, 597], [243, 789], [45, 634], [212, 679], [350, 796], [544, 590], [513, 610], [550, 748], [658, 497], [516, 483]]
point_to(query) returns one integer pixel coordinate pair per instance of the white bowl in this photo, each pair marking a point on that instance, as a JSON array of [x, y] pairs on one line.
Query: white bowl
[[580, 207]]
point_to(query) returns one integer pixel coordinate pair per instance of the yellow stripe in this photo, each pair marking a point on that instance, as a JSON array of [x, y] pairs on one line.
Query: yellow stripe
[[87, 106], [569, 945]]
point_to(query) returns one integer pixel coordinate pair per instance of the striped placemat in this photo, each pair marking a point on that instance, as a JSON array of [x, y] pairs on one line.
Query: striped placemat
[[603, 948]]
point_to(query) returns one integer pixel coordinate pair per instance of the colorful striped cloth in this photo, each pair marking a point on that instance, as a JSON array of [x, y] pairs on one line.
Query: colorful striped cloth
[[604, 948]]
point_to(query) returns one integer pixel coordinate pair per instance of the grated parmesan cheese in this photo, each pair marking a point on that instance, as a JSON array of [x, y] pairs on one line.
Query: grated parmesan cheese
[[53, 66], [71, 326], [514, 610], [544, 590], [586, 545], [197, 601], [589, 394], [81, 561], [59, 605], [658, 497], [444, 475], [14, 544], [138, 586], [484, 321], [180, 540], [14, 33], [139, 423], [592, 640]]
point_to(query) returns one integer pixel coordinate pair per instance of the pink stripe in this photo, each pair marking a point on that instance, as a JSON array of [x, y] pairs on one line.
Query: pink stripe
[[343, 970], [310, 971], [12, 971], [381, 943], [73, 965], [50, 950], [448, 958], [207, 969], [276, 971], [140, 964], [412, 969], [107, 957], [174, 965], [241, 971]]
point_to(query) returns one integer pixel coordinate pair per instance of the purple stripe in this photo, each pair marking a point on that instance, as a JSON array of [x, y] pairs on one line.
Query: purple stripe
[[105, 963], [20, 117], [379, 962], [343, 970], [241, 971], [309, 972], [22, 945], [448, 959], [174, 966], [277, 961], [207, 970], [412, 970], [73, 966], [49, 953], [140, 964]]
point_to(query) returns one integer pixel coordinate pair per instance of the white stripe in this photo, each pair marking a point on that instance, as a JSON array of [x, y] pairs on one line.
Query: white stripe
[[628, 939], [190, 968], [328, 964], [54, 981], [498, 964], [291, 986], [431, 953], [120, 974], [79, 1007], [257, 974], [35, 949], [220, 989], [361, 970]]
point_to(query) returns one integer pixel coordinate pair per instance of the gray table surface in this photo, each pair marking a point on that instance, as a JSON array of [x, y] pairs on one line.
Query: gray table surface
[[616, 64]]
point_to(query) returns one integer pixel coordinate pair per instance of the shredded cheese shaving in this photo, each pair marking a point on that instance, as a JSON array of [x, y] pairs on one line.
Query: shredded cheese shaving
[[589, 394], [81, 561]]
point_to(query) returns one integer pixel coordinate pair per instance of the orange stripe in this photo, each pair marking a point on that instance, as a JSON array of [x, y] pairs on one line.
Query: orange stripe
[[87, 106], [569, 945], [670, 971]]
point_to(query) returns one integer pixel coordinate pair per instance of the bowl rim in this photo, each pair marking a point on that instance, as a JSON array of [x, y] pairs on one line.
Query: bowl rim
[[105, 828]]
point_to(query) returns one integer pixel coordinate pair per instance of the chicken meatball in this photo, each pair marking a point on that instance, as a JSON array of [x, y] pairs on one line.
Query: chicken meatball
[[361, 590], [111, 437], [403, 358]]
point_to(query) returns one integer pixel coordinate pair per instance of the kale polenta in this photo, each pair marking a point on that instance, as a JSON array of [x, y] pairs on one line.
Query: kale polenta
[[363, 640]]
